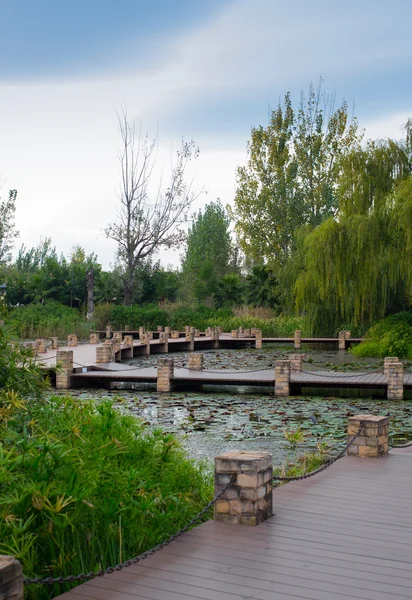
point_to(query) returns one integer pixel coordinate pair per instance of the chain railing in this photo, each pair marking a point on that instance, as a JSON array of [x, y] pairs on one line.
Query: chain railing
[[407, 445], [136, 559], [328, 463]]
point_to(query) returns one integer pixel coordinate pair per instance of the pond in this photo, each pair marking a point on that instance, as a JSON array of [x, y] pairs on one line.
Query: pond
[[208, 424]]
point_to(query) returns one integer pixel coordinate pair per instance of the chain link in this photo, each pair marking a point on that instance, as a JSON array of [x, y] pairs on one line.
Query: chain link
[[327, 464], [136, 559], [407, 445]]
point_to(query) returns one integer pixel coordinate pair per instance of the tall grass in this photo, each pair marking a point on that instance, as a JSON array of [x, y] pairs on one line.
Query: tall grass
[[276, 327], [47, 320], [84, 486]]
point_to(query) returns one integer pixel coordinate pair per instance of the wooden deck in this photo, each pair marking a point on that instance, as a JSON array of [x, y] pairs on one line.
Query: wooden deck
[[344, 534]]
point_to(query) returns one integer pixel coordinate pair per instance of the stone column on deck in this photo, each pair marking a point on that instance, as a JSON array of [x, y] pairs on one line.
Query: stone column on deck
[[373, 439], [64, 362]]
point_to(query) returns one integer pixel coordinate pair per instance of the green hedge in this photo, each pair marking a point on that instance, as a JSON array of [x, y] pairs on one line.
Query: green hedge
[[390, 337]]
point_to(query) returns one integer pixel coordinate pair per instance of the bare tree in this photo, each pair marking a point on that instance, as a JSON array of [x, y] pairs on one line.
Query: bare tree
[[150, 216], [8, 231]]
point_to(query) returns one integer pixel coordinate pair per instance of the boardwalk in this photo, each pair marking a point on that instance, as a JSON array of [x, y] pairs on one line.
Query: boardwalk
[[344, 534]]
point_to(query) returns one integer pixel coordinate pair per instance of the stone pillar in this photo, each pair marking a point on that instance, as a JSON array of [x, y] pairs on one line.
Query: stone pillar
[[145, 343], [190, 337], [347, 334], [128, 346], [72, 340], [34, 347], [126, 328], [108, 332], [54, 343], [197, 332], [64, 360], [11, 579], [394, 376], [241, 331], [342, 340], [104, 353], [247, 332], [164, 339], [386, 361], [296, 362], [297, 342], [282, 378], [165, 372], [160, 328], [253, 331], [141, 332], [258, 339], [94, 338], [117, 337], [168, 331], [248, 501], [219, 330], [196, 361], [175, 334], [41, 346], [214, 336], [234, 333], [373, 439]]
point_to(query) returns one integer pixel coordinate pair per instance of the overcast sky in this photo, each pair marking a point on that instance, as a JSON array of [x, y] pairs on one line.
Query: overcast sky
[[205, 69]]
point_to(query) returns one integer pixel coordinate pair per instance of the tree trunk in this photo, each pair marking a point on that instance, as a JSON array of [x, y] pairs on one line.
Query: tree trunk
[[90, 295], [128, 290]]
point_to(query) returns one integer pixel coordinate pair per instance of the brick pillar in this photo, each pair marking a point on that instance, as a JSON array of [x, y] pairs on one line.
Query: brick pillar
[[160, 328], [94, 338], [104, 353], [164, 339], [347, 334], [165, 372], [141, 332], [247, 332], [248, 501], [168, 331], [11, 579], [128, 346], [190, 337], [394, 376], [296, 362], [196, 361], [342, 340], [214, 336], [197, 332], [297, 342], [175, 334], [108, 332], [373, 440], [253, 331], [241, 331], [41, 346], [258, 339], [117, 337], [145, 343], [126, 328], [54, 343], [282, 378], [64, 360], [34, 347], [72, 340], [386, 361], [235, 333], [219, 330]]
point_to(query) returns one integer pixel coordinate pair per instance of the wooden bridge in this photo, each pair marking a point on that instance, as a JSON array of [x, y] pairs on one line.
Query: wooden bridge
[[345, 534], [86, 372]]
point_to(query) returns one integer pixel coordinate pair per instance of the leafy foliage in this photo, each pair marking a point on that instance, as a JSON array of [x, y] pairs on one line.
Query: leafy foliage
[[46, 320], [390, 337], [8, 231]]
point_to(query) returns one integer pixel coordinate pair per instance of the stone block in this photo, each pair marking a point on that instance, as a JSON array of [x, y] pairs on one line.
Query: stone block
[[258, 339], [72, 340], [297, 341], [296, 362], [373, 439], [94, 338], [11, 579]]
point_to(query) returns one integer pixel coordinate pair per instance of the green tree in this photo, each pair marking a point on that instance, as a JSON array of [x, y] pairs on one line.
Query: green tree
[[291, 175], [261, 287], [209, 252], [229, 291], [8, 231]]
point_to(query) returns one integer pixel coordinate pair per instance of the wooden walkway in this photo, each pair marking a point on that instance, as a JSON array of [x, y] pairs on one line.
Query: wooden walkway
[[345, 534]]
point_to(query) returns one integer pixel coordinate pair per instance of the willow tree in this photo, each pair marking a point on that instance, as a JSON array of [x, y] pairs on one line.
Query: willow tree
[[356, 265], [292, 173]]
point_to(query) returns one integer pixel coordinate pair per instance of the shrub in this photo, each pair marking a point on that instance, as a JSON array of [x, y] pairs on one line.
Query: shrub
[[85, 486], [390, 337], [46, 320]]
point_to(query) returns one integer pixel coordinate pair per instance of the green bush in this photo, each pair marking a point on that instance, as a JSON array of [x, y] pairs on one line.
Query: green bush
[[390, 337], [84, 486], [46, 320]]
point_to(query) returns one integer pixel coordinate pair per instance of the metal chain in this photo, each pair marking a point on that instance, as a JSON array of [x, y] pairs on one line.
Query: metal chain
[[407, 445], [136, 559], [339, 375], [327, 464]]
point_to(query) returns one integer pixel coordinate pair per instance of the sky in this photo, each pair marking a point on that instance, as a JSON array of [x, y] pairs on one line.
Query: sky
[[207, 70]]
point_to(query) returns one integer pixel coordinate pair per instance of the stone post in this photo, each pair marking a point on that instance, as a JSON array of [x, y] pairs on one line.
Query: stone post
[[145, 342], [253, 331], [126, 328], [386, 361], [234, 333], [297, 342], [219, 330], [128, 346], [342, 340], [72, 340], [190, 337], [347, 334], [175, 334], [108, 332], [168, 331], [117, 337], [258, 339], [394, 376], [214, 336], [196, 361], [373, 439], [241, 331], [164, 339], [64, 360], [282, 378], [34, 347], [165, 372], [296, 362], [54, 343], [104, 353], [141, 332], [41, 346], [94, 338], [248, 501], [11, 579], [160, 328], [247, 332], [197, 332]]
